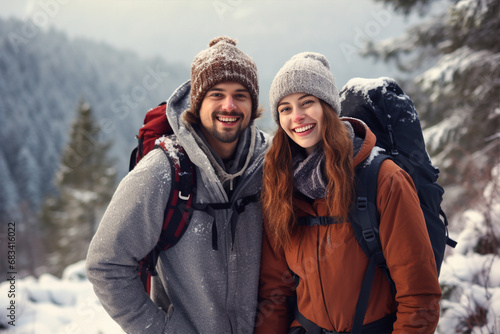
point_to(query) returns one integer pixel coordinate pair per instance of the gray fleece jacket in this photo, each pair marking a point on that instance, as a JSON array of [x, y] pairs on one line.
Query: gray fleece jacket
[[198, 289]]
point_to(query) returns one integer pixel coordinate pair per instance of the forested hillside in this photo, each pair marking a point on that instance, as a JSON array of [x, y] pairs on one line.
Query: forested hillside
[[43, 77]]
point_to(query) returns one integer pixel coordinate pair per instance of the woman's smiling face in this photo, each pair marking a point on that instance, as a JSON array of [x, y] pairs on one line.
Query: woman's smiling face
[[301, 116]]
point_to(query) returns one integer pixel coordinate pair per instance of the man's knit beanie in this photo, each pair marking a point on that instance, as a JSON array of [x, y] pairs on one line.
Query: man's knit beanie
[[221, 62], [306, 72]]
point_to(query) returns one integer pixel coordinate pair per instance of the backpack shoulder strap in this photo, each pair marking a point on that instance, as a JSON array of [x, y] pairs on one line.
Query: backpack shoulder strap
[[179, 206], [365, 219], [237, 207], [364, 214]]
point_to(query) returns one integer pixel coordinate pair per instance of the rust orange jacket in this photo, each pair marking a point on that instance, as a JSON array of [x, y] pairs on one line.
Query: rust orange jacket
[[331, 264]]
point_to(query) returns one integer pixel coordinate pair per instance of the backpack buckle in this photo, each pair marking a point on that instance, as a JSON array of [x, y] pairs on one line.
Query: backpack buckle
[[368, 235], [239, 206], [362, 203], [184, 198], [392, 138]]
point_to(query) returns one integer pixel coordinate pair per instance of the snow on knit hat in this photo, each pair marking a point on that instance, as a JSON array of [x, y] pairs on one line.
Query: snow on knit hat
[[306, 72], [221, 62]]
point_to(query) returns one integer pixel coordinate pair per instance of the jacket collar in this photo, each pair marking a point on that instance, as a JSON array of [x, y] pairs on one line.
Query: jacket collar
[[362, 131]]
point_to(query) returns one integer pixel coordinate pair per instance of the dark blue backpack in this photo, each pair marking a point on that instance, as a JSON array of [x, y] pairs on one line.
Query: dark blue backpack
[[391, 115]]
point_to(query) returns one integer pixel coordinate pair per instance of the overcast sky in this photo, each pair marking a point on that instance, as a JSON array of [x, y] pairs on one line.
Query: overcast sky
[[270, 31]]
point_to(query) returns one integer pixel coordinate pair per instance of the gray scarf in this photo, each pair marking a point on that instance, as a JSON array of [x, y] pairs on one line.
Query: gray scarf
[[308, 174], [309, 171], [243, 155]]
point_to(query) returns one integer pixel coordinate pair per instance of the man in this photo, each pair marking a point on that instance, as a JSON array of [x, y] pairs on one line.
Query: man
[[208, 281]]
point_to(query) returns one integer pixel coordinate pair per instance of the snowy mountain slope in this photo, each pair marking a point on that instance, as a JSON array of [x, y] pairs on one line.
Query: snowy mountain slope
[[43, 76]]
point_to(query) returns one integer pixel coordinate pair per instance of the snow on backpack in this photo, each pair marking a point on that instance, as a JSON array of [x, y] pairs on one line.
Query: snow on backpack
[[391, 115], [156, 132]]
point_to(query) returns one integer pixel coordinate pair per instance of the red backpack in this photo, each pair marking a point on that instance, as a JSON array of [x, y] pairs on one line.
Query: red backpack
[[181, 198]]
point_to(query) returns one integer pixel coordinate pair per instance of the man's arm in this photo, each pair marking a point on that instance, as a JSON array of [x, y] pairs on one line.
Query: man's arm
[[128, 230]]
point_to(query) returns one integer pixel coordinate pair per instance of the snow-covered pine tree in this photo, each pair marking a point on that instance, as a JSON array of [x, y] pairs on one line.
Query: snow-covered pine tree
[[85, 183], [454, 56]]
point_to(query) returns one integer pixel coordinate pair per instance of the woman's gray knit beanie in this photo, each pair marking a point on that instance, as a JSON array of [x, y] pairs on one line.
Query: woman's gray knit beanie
[[306, 72]]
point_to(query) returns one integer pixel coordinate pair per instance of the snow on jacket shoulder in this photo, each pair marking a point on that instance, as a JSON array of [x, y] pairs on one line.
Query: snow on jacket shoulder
[[331, 264]]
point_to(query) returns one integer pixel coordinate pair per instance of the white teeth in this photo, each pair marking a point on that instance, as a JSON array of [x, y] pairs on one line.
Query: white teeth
[[305, 128], [228, 119]]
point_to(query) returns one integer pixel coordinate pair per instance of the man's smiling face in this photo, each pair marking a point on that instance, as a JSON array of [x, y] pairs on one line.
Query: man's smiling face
[[225, 113]]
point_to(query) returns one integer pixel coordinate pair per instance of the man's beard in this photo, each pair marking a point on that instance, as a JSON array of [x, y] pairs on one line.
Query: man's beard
[[226, 135]]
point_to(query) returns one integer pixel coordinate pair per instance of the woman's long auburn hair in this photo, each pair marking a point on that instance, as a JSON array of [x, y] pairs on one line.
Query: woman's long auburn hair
[[277, 188]]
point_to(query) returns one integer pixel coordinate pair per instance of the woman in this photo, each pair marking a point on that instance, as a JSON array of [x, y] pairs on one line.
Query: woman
[[309, 171]]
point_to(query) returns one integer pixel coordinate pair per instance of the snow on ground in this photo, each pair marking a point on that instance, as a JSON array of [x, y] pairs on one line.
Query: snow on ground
[[471, 290], [470, 276], [49, 305]]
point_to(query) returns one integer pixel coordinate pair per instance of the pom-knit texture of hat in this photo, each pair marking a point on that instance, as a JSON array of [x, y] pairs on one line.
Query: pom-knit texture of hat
[[221, 62], [306, 72]]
